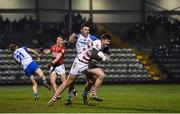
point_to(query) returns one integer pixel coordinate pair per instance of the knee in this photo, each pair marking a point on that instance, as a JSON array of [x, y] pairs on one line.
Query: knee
[[68, 83], [101, 76], [35, 85], [53, 82], [90, 82]]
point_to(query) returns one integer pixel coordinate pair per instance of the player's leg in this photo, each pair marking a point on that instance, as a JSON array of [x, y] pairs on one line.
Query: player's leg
[[89, 82], [63, 78], [34, 88], [34, 68], [72, 91], [59, 71], [73, 71], [61, 88], [99, 73], [41, 74], [87, 87], [53, 78], [30, 70]]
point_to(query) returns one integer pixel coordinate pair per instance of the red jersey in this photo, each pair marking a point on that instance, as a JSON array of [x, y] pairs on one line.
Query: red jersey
[[55, 49]]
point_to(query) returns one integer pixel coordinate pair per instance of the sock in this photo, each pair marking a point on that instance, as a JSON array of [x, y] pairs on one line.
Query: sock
[[93, 93], [54, 98], [70, 97], [44, 79], [85, 93], [35, 94]]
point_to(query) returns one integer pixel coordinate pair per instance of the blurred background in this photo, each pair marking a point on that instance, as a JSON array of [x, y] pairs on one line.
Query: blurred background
[[145, 36]]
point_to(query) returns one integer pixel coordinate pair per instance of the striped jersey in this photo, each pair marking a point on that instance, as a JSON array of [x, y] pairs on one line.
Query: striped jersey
[[82, 42], [86, 53]]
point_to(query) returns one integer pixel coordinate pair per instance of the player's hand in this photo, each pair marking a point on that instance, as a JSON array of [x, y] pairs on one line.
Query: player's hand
[[38, 59], [41, 49], [73, 35], [72, 38], [49, 65]]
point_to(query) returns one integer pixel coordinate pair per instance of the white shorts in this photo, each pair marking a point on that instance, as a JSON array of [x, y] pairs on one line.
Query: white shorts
[[59, 69], [78, 67]]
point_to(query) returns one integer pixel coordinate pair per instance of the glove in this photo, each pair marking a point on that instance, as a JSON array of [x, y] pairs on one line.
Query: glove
[[49, 65], [41, 49]]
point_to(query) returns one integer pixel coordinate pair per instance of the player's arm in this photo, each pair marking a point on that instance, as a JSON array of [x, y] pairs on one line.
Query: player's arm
[[98, 55], [90, 44], [72, 38], [46, 51], [106, 51], [58, 57], [55, 60], [33, 51]]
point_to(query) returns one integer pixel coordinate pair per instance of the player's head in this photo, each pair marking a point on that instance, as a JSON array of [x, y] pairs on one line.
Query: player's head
[[59, 40], [13, 47], [105, 39], [85, 30]]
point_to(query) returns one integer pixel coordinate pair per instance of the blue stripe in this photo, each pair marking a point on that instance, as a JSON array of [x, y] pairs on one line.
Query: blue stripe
[[93, 37], [25, 48]]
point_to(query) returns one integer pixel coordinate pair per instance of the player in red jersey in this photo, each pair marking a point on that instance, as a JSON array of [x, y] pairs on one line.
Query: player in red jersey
[[57, 65]]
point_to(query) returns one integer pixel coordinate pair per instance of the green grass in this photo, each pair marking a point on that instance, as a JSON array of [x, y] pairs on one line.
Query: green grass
[[117, 98]]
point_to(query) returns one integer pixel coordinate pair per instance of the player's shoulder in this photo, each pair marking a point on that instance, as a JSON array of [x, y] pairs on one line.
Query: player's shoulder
[[93, 37], [62, 47], [55, 45], [97, 41], [97, 44], [78, 36], [22, 48]]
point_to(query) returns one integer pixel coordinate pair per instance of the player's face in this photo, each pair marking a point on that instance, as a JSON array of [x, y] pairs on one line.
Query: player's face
[[85, 31], [106, 42], [59, 41]]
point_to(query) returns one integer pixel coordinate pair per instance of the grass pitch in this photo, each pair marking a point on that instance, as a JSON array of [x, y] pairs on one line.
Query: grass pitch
[[117, 98]]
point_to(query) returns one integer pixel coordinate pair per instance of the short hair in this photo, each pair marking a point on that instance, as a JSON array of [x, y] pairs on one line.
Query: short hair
[[12, 47], [84, 25], [105, 36], [60, 37]]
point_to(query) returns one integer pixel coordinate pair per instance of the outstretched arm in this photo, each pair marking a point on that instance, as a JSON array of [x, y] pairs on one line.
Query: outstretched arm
[[46, 51], [33, 51]]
